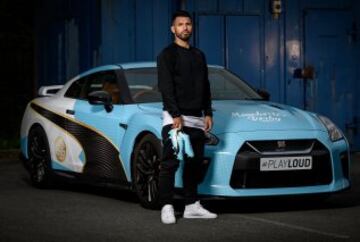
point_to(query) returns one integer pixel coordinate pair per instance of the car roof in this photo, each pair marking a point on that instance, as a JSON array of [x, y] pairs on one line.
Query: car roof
[[125, 66], [97, 69], [149, 64], [132, 65]]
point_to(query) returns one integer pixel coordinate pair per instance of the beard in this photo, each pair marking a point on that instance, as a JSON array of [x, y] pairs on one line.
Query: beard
[[185, 36]]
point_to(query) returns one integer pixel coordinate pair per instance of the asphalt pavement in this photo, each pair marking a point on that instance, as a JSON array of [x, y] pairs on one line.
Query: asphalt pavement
[[85, 213]]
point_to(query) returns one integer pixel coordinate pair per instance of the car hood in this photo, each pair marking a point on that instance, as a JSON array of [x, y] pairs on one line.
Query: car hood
[[240, 116]]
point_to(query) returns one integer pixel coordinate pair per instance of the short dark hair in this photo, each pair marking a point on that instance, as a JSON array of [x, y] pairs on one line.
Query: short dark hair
[[180, 13]]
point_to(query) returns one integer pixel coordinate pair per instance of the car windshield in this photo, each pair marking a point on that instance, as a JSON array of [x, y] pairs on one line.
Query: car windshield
[[224, 85]]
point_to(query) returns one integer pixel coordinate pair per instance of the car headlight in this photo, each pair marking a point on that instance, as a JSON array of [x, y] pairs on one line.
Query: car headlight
[[211, 139], [334, 132]]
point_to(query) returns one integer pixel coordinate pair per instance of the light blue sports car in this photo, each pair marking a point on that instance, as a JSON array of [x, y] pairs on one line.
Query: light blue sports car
[[104, 126]]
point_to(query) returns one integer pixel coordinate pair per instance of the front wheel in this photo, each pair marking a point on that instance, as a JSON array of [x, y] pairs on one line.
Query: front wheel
[[39, 158], [145, 171]]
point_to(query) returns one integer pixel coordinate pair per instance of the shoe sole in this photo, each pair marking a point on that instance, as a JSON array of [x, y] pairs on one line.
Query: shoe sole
[[169, 223], [199, 217]]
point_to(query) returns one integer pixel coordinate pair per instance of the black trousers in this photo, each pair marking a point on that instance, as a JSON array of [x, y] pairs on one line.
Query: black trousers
[[192, 166]]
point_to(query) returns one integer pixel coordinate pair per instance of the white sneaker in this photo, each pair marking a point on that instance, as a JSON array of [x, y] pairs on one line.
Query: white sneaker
[[195, 210], [167, 214]]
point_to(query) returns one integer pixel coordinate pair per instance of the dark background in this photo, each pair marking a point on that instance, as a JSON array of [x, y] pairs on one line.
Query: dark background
[[48, 42], [16, 65]]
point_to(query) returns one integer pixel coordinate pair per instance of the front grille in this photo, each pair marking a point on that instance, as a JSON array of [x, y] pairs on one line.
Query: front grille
[[280, 146], [246, 171]]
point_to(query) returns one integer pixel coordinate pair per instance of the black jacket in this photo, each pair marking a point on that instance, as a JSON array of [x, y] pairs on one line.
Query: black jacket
[[183, 81]]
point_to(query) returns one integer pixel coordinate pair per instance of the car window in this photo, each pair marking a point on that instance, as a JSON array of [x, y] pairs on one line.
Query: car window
[[110, 85], [94, 83], [102, 81], [227, 86], [142, 84], [74, 90]]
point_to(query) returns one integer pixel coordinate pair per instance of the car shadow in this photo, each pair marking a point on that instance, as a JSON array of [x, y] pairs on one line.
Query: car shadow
[[283, 204], [108, 191], [349, 198], [105, 190]]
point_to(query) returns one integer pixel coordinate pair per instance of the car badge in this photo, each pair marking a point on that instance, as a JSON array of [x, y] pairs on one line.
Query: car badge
[[60, 149]]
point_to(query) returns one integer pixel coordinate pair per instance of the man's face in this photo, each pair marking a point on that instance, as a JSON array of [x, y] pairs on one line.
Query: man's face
[[182, 28]]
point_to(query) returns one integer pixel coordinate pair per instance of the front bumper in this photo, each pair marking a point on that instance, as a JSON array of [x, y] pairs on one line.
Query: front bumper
[[226, 173]]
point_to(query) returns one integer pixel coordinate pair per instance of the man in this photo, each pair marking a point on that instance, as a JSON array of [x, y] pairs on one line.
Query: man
[[185, 88]]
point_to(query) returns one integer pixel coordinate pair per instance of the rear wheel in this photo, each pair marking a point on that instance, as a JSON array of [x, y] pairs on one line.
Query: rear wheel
[[145, 171], [39, 158]]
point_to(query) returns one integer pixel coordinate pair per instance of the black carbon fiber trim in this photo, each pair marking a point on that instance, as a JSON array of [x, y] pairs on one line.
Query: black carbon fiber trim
[[102, 158]]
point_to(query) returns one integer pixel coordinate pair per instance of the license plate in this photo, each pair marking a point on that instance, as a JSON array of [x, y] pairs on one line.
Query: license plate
[[286, 163]]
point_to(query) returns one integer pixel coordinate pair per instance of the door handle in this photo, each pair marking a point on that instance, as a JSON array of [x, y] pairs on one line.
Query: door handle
[[124, 126], [68, 111]]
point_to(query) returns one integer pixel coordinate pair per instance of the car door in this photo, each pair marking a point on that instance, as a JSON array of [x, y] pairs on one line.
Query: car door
[[98, 130]]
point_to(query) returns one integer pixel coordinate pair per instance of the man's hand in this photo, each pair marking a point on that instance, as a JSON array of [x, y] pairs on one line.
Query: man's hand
[[208, 123], [178, 123]]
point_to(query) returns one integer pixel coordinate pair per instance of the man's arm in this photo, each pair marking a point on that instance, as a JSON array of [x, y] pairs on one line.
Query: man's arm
[[207, 94], [166, 84]]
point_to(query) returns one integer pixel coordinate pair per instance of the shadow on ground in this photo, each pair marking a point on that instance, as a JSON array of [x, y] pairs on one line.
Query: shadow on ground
[[349, 198]]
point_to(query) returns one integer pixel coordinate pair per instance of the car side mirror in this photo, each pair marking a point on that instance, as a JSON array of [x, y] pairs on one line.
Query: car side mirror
[[101, 98], [264, 94]]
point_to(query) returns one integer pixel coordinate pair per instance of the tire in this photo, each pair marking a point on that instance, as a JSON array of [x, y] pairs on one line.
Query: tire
[[145, 171], [39, 158]]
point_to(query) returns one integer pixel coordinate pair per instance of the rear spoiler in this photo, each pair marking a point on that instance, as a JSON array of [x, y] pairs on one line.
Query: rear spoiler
[[48, 91]]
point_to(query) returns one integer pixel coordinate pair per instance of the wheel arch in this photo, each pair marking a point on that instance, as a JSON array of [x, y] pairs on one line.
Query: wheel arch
[[25, 148], [138, 138], [139, 125], [34, 125], [46, 178], [149, 198], [38, 125]]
